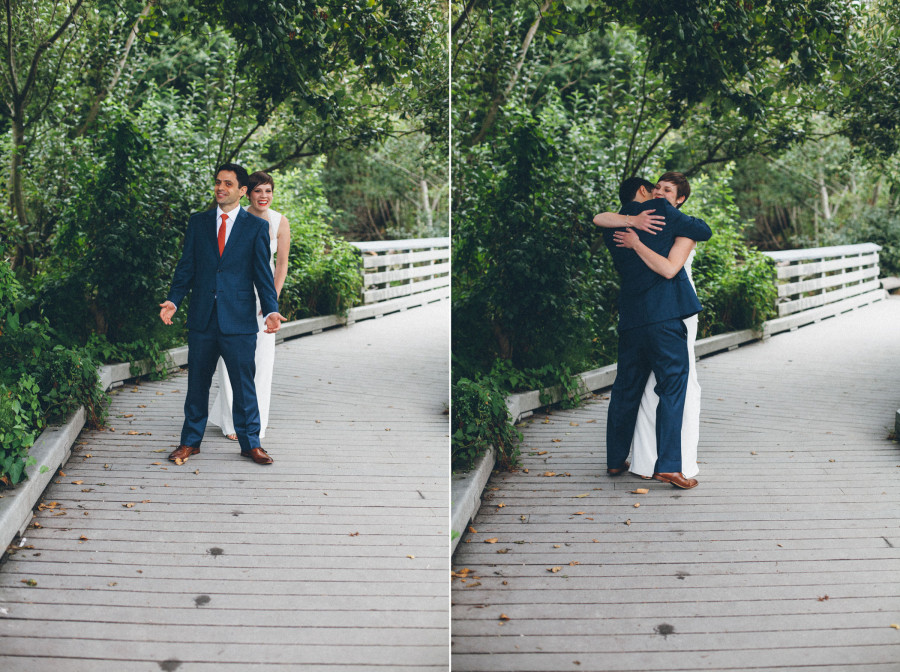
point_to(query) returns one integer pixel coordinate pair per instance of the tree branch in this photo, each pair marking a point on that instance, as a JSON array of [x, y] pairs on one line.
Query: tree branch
[[500, 97], [101, 96]]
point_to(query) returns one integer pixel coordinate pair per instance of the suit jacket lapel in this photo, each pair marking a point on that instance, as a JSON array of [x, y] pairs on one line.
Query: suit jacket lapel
[[209, 230]]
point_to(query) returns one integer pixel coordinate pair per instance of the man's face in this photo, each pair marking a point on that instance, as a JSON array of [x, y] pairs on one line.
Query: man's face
[[228, 192], [668, 191]]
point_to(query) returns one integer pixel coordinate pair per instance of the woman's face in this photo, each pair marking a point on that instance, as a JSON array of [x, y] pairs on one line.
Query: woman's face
[[668, 191], [261, 196]]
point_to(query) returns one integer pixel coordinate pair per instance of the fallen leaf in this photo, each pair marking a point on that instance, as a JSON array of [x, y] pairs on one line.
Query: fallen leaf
[[823, 598], [473, 530], [156, 463], [831, 460], [543, 452], [132, 432], [549, 473], [411, 557], [753, 452], [473, 584], [628, 522], [29, 582], [62, 473], [129, 415], [637, 505], [77, 482], [160, 450], [354, 534], [895, 626], [579, 513], [502, 551], [590, 421], [113, 583], [573, 424], [87, 455], [492, 540], [500, 505], [573, 563], [596, 541], [145, 501], [556, 440], [83, 538], [640, 491], [129, 505], [587, 494], [179, 461], [557, 546], [525, 470], [554, 569], [504, 617]]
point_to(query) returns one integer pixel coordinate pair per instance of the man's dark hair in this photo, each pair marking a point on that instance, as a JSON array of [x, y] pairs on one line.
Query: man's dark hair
[[682, 186], [258, 178], [241, 173], [629, 188]]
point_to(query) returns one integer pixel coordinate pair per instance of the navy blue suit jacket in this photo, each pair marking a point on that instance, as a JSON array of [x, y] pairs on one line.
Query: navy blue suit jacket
[[645, 297], [227, 281]]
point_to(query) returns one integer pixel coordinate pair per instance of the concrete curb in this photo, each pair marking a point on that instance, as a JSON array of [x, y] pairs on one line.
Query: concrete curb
[[54, 446], [465, 495]]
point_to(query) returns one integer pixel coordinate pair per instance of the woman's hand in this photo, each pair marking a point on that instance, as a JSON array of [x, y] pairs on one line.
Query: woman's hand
[[644, 221], [626, 238]]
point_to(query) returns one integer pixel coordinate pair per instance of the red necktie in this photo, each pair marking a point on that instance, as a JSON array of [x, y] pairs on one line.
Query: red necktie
[[222, 234]]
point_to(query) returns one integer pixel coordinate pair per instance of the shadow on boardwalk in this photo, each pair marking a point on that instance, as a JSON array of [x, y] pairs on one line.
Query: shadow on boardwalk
[[786, 557], [335, 557]]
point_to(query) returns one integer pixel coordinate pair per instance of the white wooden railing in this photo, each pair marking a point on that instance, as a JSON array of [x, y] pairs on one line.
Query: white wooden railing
[[403, 269], [820, 282]]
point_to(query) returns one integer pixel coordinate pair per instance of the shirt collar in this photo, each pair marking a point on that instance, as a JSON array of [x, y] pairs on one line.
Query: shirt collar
[[232, 215]]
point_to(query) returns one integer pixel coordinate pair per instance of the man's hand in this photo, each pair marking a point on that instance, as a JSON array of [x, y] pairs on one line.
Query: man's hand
[[168, 310], [626, 238], [273, 322], [644, 221]]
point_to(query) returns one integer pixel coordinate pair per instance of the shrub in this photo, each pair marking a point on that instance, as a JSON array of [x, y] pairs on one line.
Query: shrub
[[735, 283], [480, 419], [324, 275]]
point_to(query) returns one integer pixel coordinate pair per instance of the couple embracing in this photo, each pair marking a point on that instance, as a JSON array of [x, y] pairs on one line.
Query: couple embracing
[[655, 401]]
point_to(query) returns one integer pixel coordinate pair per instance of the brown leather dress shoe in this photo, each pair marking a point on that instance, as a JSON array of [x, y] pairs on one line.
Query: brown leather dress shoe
[[182, 453], [258, 455], [621, 470], [678, 480]]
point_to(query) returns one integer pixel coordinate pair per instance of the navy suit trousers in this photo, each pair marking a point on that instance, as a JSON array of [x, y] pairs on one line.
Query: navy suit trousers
[[661, 348], [238, 351]]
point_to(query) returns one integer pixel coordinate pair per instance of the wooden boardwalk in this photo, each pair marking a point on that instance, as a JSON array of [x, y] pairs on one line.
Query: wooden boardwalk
[[334, 558], [786, 557]]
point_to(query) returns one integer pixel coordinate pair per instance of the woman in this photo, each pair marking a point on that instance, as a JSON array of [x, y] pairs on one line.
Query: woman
[[674, 188], [260, 192]]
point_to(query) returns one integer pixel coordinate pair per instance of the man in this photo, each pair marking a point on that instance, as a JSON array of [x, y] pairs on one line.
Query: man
[[225, 255], [652, 334]]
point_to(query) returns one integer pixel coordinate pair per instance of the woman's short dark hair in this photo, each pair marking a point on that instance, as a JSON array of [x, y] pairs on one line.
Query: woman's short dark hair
[[258, 178], [682, 186]]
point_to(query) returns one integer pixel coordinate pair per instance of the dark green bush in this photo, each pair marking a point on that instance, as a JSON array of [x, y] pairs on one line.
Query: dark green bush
[[479, 420]]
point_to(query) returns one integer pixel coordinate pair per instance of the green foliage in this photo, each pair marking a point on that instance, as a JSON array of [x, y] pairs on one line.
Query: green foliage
[[735, 283], [118, 240], [39, 381], [20, 423], [522, 270], [479, 420], [324, 275]]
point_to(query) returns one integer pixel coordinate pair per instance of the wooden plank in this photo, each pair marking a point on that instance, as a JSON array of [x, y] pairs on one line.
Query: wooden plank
[[821, 267], [822, 252], [784, 557], [818, 300], [377, 295], [410, 273], [387, 260], [828, 281], [406, 244]]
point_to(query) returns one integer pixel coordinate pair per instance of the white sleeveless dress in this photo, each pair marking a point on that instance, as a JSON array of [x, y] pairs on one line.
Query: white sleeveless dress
[[220, 414], [643, 445]]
